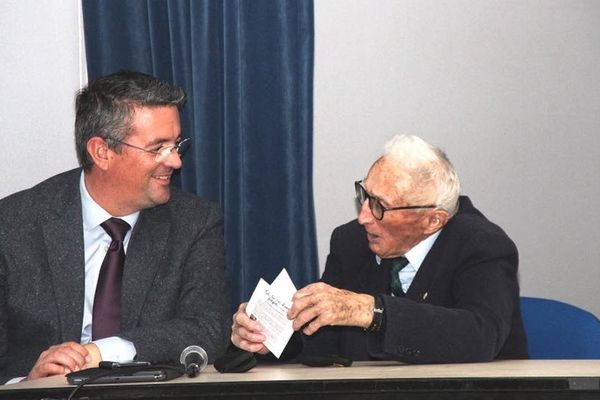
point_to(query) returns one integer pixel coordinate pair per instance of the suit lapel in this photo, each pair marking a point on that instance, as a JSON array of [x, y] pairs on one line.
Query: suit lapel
[[63, 236], [144, 253], [373, 278], [419, 288]]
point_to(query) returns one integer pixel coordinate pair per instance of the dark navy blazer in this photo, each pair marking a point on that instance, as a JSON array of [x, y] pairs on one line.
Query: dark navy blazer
[[462, 306]]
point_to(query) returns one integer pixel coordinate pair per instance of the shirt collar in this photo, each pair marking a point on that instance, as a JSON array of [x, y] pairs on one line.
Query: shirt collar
[[93, 214], [417, 254]]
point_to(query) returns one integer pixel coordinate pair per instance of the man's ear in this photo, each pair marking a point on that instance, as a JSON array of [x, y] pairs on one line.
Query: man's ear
[[99, 152], [436, 220]]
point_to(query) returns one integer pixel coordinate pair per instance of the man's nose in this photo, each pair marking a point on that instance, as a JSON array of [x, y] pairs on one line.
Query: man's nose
[[365, 215], [173, 160]]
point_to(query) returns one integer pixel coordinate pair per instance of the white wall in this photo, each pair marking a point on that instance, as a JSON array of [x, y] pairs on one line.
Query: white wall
[[40, 64], [508, 88]]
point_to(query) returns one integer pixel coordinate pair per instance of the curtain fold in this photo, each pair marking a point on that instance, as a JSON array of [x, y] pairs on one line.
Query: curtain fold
[[247, 67]]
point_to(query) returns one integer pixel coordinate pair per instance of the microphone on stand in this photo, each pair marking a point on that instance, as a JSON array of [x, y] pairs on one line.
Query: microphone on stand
[[194, 359]]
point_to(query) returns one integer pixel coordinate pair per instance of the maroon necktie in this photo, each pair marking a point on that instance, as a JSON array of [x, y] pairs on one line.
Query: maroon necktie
[[106, 316]]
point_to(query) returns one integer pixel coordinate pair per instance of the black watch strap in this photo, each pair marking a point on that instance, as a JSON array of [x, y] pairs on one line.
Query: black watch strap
[[378, 310]]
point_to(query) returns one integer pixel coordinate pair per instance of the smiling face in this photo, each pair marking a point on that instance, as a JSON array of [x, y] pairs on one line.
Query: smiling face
[[137, 180], [399, 230]]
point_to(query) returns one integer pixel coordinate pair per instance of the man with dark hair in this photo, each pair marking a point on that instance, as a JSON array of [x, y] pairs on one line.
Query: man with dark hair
[[108, 261], [421, 276]]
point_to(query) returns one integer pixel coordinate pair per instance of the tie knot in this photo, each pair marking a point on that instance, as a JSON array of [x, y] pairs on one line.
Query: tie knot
[[399, 263], [116, 228]]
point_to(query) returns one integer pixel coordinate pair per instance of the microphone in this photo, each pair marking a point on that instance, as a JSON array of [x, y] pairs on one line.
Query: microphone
[[194, 360]]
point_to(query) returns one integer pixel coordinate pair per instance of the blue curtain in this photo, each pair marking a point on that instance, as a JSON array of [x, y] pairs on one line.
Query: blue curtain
[[247, 67]]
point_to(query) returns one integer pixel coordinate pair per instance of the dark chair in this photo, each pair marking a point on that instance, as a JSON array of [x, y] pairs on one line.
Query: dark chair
[[557, 330]]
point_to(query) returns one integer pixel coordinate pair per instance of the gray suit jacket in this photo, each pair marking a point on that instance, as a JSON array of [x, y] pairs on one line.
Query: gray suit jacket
[[174, 289]]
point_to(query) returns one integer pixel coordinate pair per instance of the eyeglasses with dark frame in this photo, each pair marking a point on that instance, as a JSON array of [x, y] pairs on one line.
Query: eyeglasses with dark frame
[[375, 206], [161, 154]]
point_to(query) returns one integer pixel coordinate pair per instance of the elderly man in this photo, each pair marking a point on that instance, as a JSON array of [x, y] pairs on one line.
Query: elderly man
[[421, 276], [108, 261]]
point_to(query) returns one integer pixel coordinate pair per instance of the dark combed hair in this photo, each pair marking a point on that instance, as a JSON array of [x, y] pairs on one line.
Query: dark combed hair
[[106, 106]]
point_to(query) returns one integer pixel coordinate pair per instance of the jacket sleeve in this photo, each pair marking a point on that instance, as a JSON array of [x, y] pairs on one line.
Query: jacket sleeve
[[201, 312], [3, 319], [326, 340]]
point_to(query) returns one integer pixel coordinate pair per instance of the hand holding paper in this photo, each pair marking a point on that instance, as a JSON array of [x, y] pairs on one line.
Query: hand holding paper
[[269, 306]]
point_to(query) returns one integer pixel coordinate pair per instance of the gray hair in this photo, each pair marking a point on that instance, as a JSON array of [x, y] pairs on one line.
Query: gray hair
[[428, 167], [105, 108]]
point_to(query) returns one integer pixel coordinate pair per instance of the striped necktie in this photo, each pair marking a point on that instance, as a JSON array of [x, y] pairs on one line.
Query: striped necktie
[[395, 284]]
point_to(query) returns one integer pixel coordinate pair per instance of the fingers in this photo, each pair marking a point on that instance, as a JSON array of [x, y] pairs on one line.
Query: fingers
[[319, 305], [59, 359], [241, 320], [80, 349], [317, 311], [42, 370], [307, 296], [246, 333], [311, 289], [94, 356]]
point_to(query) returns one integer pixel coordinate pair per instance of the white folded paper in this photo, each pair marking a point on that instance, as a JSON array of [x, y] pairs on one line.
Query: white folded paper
[[269, 305]]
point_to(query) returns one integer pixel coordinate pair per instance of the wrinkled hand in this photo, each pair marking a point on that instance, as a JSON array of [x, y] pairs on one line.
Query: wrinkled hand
[[60, 359], [246, 333], [322, 305]]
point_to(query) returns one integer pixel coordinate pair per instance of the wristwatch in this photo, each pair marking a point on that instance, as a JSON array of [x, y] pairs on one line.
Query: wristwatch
[[377, 321]]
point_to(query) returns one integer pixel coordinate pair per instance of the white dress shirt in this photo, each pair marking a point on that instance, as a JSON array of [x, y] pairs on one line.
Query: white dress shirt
[[415, 257], [96, 242]]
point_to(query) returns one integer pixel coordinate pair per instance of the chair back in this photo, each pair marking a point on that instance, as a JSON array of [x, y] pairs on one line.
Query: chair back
[[557, 330]]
